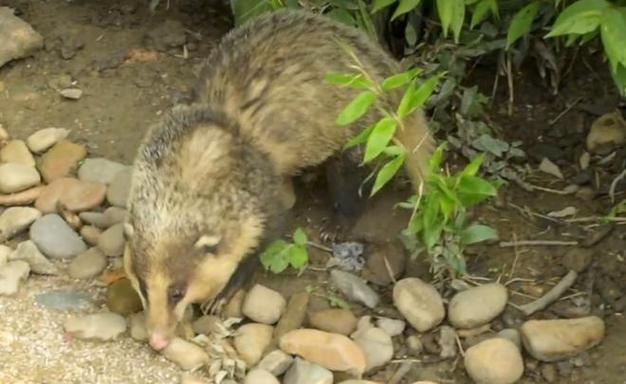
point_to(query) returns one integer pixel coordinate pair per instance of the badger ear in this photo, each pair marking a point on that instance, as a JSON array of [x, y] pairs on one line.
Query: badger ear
[[128, 230], [208, 243]]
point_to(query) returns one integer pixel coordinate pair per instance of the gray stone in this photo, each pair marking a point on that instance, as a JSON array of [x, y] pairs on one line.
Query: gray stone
[[376, 345], [88, 264], [28, 252], [512, 335], [119, 188], [276, 362], [304, 372], [99, 170], [63, 300], [138, 330], [15, 220], [55, 238], [15, 177], [392, 327], [260, 376], [99, 326], [354, 288], [111, 242]]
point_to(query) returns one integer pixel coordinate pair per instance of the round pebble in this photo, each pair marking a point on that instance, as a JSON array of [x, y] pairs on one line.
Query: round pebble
[[477, 306], [45, 138], [263, 305], [99, 326], [88, 264], [188, 356], [419, 303], [494, 361], [122, 298], [334, 320], [15, 220], [99, 170], [376, 345], [55, 238], [111, 242], [260, 376], [15, 151], [11, 275], [61, 160], [251, 340], [28, 252], [119, 188]]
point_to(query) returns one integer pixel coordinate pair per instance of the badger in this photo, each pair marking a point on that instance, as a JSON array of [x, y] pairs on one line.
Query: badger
[[211, 180]]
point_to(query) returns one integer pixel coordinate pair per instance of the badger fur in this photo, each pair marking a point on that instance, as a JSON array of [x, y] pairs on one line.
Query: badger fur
[[207, 187]]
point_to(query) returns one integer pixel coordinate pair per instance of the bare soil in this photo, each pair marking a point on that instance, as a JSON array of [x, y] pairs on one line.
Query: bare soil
[[126, 88]]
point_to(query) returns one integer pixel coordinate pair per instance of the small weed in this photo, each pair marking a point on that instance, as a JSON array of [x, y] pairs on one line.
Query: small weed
[[280, 254]]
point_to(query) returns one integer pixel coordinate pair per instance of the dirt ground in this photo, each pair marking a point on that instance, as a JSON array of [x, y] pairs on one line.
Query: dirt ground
[[98, 44]]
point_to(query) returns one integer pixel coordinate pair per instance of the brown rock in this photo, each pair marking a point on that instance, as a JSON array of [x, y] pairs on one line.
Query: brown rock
[[334, 320], [233, 307], [251, 340], [26, 197], [294, 315], [61, 160], [330, 350], [494, 361], [83, 196]]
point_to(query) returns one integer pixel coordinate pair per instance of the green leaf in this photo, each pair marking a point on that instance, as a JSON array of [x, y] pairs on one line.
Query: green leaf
[[380, 4], [360, 138], [521, 23], [379, 138], [472, 168], [400, 79], [404, 7], [357, 108], [433, 222], [619, 78], [244, 10], [613, 33], [343, 16], [435, 160], [274, 257], [579, 18], [348, 79], [387, 172], [416, 97], [458, 17], [298, 257], [299, 237], [473, 190], [451, 14], [481, 11], [477, 233]]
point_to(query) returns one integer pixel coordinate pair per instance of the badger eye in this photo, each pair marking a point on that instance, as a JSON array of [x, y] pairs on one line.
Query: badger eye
[[176, 294]]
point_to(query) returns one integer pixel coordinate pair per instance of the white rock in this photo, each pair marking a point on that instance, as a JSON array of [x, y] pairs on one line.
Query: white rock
[[15, 220], [251, 341], [354, 288], [27, 251], [71, 93], [99, 326], [4, 254], [276, 362], [11, 275], [45, 138], [187, 355], [376, 345], [553, 340], [15, 151], [260, 376], [392, 327], [607, 132], [263, 305], [16, 177], [477, 306], [303, 372], [494, 361], [547, 166], [419, 303]]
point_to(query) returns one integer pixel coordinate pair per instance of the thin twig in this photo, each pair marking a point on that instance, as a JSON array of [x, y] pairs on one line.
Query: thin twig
[[509, 76], [527, 243], [567, 109], [400, 373], [319, 246], [619, 178], [551, 296]]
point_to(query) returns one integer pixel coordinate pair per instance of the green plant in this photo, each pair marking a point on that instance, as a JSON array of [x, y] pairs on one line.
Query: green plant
[[379, 137], [439, 220], [280, 254]]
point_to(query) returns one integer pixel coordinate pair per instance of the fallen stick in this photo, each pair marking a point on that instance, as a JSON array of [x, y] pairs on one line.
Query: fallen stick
[[535, 243], [553, 295]]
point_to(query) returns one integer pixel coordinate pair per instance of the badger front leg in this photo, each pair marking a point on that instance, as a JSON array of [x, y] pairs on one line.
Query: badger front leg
[[242, 277]]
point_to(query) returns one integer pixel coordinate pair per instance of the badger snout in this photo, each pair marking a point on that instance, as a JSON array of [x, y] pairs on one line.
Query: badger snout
[[158, 341]]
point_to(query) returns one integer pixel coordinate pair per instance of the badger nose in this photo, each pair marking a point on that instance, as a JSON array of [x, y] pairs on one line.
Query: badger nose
[[158, 341]]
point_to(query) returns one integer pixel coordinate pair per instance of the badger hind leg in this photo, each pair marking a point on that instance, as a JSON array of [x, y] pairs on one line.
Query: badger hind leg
[[348, 190], [243, 275]]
